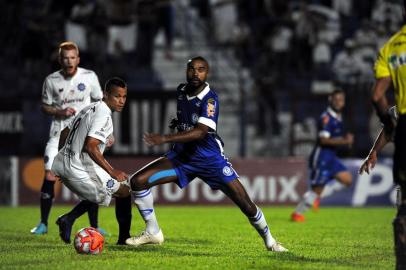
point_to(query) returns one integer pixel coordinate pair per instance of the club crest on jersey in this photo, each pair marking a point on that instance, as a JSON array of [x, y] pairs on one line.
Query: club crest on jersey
[[110, 183], [227, 171], [81, 87], [195, 118], [211, 107]]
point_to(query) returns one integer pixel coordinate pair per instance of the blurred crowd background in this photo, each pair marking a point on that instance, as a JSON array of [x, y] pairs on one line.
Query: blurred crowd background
[[273, 62]]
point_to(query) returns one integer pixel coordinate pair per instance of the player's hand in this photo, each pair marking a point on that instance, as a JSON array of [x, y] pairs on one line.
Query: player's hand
[[120, 176], [349, 138], [369, 163], [152, 139], [110, 141], [67, 112]]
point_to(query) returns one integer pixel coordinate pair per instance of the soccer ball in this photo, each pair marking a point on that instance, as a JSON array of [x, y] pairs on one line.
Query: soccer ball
[[88, 241]]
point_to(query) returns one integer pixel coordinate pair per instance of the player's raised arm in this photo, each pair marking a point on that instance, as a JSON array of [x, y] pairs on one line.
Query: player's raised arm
[[197, 133]]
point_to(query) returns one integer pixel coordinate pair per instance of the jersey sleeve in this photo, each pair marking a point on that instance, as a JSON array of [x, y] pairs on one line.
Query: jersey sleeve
[[95, 90], [47, 92], [209, 112], [324, 126], [381, 64], [101, 128]]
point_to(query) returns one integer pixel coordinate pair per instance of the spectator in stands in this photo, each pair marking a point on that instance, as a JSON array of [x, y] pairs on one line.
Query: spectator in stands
[[346, 66]]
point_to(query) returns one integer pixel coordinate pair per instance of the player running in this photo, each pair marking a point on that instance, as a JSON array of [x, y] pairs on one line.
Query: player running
[[324, 165], [197, 152]]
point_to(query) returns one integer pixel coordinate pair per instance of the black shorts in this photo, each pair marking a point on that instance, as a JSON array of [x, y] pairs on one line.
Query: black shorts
[[399, 158]]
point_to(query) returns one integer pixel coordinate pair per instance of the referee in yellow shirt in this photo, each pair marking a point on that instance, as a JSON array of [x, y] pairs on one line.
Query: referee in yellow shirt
[[390, 70]]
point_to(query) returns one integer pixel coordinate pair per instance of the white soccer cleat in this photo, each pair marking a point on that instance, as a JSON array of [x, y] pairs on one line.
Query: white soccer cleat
[[277, 247], [146, 238]]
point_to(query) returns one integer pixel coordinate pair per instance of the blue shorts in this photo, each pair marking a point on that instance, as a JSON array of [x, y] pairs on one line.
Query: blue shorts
[[214, 171], [325, 170]]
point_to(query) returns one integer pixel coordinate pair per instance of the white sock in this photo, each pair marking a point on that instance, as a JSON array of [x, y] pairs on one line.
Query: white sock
[[145, 204], [307, 201], [259, 223]]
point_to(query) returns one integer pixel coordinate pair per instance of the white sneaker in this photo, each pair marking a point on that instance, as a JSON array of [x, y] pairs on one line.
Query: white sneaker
[[277, 247], [146, 238]]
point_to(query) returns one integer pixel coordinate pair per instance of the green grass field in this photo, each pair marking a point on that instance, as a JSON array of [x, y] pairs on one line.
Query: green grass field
[[210, 238]]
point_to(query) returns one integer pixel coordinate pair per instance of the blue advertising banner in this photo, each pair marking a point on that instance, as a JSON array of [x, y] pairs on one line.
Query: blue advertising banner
[[374, 189]]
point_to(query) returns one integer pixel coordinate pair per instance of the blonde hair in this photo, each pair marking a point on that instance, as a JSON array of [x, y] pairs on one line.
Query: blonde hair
[[66, 46]]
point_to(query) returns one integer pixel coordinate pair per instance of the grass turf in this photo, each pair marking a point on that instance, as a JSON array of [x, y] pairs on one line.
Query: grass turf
[[209, 238]]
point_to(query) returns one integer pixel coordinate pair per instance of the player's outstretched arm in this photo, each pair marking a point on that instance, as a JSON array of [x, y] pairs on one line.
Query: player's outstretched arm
[[198, 133], [371, 159], [92, 148], [348, 139]]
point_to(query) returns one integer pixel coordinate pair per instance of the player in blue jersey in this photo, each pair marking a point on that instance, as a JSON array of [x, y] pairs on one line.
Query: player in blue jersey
[[197, 152], [324, 165]]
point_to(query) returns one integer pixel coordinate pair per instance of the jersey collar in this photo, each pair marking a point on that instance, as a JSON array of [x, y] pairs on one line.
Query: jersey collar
[[333, 113], [201, 94]]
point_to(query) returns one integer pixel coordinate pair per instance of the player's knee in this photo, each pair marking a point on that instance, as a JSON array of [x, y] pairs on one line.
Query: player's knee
[[348, 180], [47, 190], [345, 178], [137, 183]]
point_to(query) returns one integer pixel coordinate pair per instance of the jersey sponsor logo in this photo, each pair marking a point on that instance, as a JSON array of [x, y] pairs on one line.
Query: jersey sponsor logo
[[73, 100], [397, 60], [110, 183], [195, 118], [227, 171], [81, 87], [185, 127]]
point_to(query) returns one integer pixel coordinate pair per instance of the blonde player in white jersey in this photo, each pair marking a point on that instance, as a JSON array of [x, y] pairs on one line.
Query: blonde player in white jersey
[[80, 163], [64, 93]]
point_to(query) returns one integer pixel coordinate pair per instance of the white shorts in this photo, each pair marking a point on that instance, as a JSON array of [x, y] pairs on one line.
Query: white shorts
[[51, 150], [93, 184]]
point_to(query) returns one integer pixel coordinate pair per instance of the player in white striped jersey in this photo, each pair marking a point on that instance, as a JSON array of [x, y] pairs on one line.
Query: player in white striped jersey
[[64, 93], [80, 164]]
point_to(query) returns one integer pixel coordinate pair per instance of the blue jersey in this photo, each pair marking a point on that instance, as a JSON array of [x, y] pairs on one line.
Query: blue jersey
[[203, 108], [323, 162], [330, 125], [201, 158]]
